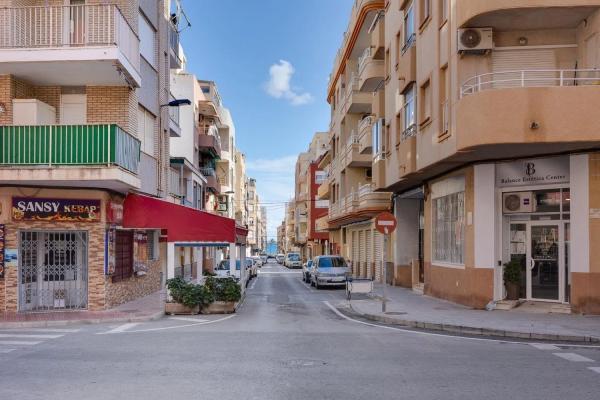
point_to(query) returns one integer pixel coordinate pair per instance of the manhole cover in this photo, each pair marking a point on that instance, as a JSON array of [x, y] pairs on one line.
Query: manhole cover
[[395, 313]]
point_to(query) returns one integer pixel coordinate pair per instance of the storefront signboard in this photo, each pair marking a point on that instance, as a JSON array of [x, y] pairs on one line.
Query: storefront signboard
[[537, 171], [109, 251], [58, 210], [114, 213], [2, 233]]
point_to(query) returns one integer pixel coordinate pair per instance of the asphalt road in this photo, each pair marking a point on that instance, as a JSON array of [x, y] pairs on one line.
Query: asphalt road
[[284, 343]]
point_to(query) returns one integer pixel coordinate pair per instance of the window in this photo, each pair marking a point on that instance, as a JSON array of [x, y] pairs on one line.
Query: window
[[409, 27], [123, 256], [151, 244], [448, 221], [408, 115], [146, 130], [320, 177], [206, 89], [443, 11], [425, 11], [378, 143], [387, 139], [147, 40], [425, 103]]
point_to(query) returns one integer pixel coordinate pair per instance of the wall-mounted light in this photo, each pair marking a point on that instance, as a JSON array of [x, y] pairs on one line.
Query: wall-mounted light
[[523, 41]]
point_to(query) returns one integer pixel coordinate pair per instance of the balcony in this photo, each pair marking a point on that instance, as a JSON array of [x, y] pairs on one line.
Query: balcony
[[321, 224], [544, 111], [71, 155], [174, 129], [360, 205], [212, 182], [209, 141], [370, 71], [352, 157], [323, 191], [355, 101], [69, 45], [174, 59], [407, 155], [377, 31], [365, 135], [407, 65], [379, 177]]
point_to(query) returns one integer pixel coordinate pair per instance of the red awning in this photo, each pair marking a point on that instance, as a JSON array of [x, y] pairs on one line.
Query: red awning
[[182, 224]]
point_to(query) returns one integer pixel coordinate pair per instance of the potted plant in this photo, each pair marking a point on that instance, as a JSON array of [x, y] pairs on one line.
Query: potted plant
[[187, 298], [226, 293], [512, 279]]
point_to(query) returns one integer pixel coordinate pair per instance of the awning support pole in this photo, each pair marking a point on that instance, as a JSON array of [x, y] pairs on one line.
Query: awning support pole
[[232, 258]]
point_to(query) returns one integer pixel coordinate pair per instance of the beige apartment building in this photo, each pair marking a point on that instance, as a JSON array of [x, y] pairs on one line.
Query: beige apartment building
[[82, 124], [240, 198], [484, 128]]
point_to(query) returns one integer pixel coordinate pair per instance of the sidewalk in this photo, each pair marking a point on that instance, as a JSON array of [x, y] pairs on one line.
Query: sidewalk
[[411, 309], [146, 308]]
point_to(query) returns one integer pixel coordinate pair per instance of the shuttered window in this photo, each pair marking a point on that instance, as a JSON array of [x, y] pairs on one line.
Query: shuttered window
[[123, 256], [369, 252], [504, 61]]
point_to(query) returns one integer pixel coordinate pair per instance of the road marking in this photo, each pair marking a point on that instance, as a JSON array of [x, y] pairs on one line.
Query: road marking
[[189, 319], [164, 328], [544, 346], [18, 343], [415, 332], [4, 351], [573, 357], [23, 335], [40, 330], [595, 369], [121, 328], [252, 286]]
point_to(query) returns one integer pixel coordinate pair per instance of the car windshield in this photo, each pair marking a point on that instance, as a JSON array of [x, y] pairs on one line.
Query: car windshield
[[309, 264], [294, 257], [224, 265], [332, 262]]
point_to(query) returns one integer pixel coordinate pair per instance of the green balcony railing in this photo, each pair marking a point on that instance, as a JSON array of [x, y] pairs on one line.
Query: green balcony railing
[[56, 145]]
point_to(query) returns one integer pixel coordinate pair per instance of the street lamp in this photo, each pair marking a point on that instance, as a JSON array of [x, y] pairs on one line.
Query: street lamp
[[177, 103]]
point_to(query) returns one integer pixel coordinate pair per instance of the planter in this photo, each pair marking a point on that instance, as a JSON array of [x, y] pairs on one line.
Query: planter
[[219, 307], [180, 309], [512, 290]]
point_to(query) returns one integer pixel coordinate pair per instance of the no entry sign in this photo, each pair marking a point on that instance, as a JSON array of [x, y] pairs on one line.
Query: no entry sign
[[385, 223]]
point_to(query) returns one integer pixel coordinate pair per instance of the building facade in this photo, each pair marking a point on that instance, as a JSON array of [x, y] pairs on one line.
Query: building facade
[[483, 128]]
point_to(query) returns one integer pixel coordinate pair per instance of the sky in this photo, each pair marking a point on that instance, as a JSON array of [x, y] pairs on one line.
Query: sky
[[271, 60]]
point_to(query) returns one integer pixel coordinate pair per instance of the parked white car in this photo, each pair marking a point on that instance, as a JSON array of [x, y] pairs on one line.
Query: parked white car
[[280, 258], [293, 260]]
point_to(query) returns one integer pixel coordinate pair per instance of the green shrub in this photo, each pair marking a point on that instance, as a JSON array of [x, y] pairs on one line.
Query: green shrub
[[189, 294], [512, 272], [224, 289]]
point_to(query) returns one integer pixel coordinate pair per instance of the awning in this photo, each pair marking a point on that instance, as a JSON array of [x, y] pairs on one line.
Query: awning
[[182, 224]]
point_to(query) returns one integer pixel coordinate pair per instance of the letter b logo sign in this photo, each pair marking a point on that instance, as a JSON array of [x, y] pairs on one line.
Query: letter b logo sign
[[530, 169]]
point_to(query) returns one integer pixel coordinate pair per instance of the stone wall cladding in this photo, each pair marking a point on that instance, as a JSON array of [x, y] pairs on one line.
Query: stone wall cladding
[[134, 287]]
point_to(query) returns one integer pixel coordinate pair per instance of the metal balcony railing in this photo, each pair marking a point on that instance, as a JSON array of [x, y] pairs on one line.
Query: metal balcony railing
[[530, 78], [57, 145], [174, 182], [364, 59], [68, 26], [207, 171], [173, 112]]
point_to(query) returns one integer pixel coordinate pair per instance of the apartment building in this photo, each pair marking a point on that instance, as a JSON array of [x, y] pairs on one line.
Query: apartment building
[[483, 127], [253, 217], [290, 226], [82, 84], [281, 238], [263, 229], [240, 197], [353, 201]]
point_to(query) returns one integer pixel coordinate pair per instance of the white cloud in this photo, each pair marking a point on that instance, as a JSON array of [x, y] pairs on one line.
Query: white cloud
[[279, 85]]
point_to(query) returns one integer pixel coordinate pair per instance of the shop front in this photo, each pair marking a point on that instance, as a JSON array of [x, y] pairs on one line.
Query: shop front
[[535, 200]]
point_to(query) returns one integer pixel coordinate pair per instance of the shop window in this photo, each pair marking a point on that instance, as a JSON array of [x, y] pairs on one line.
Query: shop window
[[448, 221], [123, 256]]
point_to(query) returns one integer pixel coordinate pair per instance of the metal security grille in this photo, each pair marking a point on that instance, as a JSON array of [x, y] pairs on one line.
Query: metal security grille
[[53, 271]]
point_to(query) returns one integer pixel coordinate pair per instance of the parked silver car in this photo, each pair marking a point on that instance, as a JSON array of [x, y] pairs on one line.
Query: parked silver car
[[329, 271], [307, 271], [293, 260]]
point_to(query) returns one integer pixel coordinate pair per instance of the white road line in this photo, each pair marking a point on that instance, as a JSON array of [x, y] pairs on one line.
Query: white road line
[[188, 319], [544, 346], [18, 343], [415, 332], [39, 330], [22, 335], [121, 328], [573, 357], [595, 369], [4, 351], [180, 326]]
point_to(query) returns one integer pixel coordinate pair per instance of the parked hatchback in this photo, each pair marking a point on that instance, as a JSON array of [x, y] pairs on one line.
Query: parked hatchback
[[293, 260], [329, 271]]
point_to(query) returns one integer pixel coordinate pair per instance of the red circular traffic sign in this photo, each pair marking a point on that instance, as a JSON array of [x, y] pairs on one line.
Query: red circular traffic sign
[[385, 223]]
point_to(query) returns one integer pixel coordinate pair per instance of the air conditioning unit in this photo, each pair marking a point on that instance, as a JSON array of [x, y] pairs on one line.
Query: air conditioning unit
[[475, 40], [517, 202]]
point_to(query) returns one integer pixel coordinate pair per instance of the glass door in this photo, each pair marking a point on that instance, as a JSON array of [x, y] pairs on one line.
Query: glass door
[[544, 261]]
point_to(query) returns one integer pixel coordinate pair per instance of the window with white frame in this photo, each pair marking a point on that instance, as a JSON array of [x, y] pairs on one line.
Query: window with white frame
[[378, 142], [322, 203], [320, 177], [409, 26], [408, 117], [448, 221], [146, 130], [147, 40]]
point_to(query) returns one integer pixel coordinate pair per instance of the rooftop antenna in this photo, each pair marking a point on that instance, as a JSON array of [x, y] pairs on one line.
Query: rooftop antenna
[[178, 16]]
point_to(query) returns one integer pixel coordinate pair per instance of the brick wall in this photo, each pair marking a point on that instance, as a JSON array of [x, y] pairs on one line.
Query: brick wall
[[112, 105]]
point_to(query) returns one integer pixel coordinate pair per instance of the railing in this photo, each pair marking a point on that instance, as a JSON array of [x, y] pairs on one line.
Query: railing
[[56, 145], [365, 124], [173, 112], [530, 78], [412, 39], [365, 189], [69, 26], [352, 140], [207, 171], [174, 182], [408, 132], [173, 38], [364, 59]]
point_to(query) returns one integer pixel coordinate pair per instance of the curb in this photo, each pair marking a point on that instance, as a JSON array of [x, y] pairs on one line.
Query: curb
[[470, 330], [60, 323]]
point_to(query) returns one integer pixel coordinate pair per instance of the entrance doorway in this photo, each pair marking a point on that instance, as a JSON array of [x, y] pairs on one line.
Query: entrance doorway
[[53, 271]]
